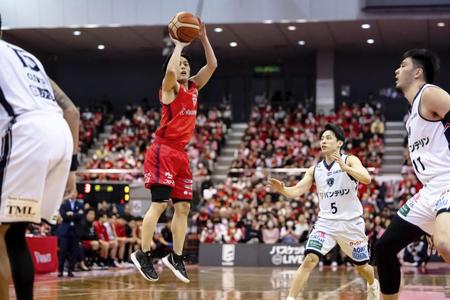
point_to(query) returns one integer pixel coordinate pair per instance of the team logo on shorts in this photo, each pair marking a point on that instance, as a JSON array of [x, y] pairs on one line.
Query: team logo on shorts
[[330, 181]]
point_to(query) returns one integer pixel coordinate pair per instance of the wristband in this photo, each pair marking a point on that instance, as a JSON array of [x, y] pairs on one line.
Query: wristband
[[74, 163]]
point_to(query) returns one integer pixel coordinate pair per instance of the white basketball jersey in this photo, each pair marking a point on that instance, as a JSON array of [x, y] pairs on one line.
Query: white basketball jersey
[[24, 85], [429, 144], [337, 192]]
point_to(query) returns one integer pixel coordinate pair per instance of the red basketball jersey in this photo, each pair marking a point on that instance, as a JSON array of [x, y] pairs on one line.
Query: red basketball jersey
[[178, 118]]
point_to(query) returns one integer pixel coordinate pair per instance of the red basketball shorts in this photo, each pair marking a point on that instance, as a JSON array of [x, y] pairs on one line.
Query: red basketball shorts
[[168, 166]]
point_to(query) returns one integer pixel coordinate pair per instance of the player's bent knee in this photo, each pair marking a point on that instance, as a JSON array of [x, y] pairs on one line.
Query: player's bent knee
[[311, 260]]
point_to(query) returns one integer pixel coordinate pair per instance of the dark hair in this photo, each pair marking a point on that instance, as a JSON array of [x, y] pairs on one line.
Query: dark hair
[[338, 132], [425, 59], [0, 22], [164, 67], [102, 214]]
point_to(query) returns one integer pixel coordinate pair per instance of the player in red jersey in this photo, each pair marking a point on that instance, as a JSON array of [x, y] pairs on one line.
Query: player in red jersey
[[166, 166]]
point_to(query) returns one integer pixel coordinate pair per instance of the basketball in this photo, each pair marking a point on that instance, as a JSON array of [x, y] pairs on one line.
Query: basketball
[[184, 27]]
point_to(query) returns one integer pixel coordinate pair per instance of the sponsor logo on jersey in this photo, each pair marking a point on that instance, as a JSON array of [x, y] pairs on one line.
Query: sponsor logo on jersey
[[337, 193], [419, 144], [188, 112]]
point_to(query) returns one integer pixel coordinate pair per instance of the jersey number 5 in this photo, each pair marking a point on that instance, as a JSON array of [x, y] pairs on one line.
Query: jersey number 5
[[333, 208]]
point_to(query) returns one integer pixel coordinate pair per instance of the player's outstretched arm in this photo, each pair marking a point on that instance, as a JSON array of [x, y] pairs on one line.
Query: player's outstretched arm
[[437, 101], [170, 83], [205, 73], [354, 168], [299, 189]]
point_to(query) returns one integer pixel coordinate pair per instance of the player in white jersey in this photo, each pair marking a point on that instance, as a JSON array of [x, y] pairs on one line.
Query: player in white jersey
[[39, 134], [429, 148], [340, 217]]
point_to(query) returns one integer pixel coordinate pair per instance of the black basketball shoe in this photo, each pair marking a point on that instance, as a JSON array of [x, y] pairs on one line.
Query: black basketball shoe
[[176, 265], [143, 262]]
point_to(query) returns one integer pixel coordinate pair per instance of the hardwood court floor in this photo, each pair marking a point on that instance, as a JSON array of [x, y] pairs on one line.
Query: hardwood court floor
[[215, 283]]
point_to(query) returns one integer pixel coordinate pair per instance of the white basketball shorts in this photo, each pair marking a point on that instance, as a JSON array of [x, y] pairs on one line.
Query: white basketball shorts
[[349, 234], [36, 154], [422, 209]]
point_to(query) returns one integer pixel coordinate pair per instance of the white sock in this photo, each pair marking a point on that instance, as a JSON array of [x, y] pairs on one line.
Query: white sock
[[290, 298]]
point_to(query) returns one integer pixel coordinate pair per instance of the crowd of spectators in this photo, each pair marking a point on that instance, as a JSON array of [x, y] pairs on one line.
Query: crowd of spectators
[[91, 124], [125, 146], [288, 137]]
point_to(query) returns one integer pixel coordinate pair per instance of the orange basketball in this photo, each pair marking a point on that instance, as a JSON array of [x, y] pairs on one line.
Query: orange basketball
[[184, 27]]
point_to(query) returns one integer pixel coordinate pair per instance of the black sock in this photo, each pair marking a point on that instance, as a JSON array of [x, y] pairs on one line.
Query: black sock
[[22, 268]]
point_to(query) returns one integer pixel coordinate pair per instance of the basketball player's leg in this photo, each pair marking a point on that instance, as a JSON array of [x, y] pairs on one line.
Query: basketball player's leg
[[353, 242], [5, 270], [397, 236], [22, 268], [181, 198], [142, 259], [179, 224], [367, 272], [160, 197], [441, 237], [159, 170], [319, 243], [302, 274]]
